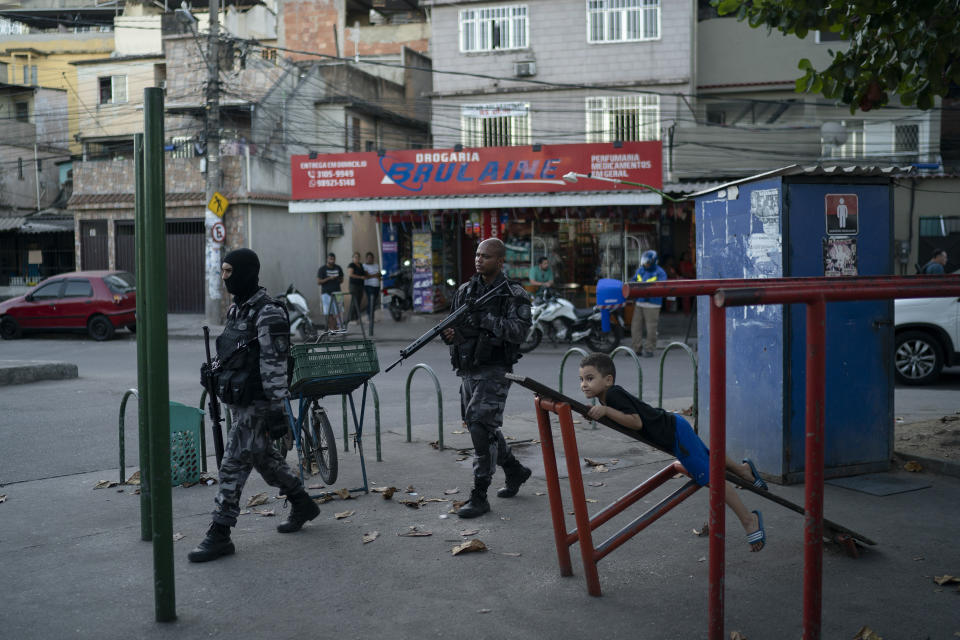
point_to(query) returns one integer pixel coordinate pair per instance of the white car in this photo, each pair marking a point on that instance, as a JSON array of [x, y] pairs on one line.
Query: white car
[[927, 338]]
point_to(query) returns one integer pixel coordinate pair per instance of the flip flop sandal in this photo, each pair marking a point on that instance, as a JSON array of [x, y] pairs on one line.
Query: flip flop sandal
[[757, 480], [760, 535]]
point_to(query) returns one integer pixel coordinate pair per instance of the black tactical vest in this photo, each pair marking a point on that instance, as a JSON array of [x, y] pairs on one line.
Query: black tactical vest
[[238, 351]]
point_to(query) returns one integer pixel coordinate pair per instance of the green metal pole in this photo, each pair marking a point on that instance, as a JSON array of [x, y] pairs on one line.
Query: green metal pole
[[157, 384], [143, 436]]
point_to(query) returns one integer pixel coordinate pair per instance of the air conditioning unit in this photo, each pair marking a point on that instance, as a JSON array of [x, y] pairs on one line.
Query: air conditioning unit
[[334, 229], [525, 69]]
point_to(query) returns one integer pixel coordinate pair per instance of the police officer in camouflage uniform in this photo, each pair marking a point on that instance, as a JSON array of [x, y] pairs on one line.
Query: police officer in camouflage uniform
[[483, 347], [252, 381]]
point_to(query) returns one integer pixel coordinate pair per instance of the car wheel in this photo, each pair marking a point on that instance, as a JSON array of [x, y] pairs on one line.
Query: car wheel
[[9, 329], [918, 358], [100, 328]]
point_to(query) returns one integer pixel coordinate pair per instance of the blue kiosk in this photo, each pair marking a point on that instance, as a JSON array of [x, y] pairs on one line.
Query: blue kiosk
[[801, 222]]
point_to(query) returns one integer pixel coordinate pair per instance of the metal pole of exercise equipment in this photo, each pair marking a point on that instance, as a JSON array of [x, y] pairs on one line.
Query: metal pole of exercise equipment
[[143, 435], [156, 388], [718, 447], [813, 468]]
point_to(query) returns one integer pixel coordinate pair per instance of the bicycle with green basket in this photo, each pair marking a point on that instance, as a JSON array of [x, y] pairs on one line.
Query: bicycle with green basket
[[325, 368]]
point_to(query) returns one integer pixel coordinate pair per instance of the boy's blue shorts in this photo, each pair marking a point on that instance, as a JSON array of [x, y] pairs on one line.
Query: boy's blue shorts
[[691, 452]]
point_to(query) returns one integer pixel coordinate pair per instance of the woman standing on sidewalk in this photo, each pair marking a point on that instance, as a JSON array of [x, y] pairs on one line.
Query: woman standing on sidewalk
[[371, 285]]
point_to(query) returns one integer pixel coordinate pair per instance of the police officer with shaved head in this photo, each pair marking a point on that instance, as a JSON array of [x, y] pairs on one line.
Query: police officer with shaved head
[[484, 347], [252, 354]]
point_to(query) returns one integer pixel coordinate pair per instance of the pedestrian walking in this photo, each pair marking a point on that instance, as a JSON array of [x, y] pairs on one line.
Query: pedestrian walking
[[646, 311], [483, 348], [251, 379], [371, 286]]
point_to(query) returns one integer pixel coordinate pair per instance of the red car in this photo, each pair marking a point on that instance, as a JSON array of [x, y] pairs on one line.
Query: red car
[[98, 302]]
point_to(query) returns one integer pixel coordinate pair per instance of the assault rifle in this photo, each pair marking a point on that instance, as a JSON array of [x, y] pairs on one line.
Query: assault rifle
[[210, 384], [450, 321]]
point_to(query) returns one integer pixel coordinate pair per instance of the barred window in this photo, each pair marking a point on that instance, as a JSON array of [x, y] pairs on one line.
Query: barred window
[[623, 20], [495, 125], [113, 89], [493, 28], [906, 139], [625, 118]]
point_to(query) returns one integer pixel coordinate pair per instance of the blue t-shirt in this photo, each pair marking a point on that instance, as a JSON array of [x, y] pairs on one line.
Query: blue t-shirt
[[933, 268], [656, 274]]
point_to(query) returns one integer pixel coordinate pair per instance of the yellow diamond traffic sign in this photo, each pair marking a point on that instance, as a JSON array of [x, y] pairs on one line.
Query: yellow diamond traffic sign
[[218, 204]]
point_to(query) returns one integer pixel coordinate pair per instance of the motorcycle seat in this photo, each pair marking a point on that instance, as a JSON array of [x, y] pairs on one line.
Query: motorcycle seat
[[583, 313]]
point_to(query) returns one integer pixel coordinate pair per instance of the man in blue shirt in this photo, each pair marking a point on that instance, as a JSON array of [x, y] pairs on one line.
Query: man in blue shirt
[[646, 311], [936, 264]]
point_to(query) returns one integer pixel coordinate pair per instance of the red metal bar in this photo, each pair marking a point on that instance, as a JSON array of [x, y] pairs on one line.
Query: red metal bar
[[710, 286], [813, 469], [578, 498], [842, 293], [718, 447], [623, 503], [553, 486]]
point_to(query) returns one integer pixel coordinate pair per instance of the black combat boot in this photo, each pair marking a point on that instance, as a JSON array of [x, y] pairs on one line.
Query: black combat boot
[[477, 505], [216, 544], [517, 474], [304, 509]]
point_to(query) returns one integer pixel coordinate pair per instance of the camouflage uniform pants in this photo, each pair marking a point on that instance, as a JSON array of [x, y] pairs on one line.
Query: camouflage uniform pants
[[483, 395], [249, 447]]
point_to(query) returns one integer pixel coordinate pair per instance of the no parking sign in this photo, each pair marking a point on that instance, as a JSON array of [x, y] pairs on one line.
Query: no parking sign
[[218, 232]]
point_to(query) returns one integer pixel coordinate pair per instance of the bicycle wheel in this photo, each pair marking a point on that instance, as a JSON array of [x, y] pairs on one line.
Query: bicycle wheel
[[322, 449]]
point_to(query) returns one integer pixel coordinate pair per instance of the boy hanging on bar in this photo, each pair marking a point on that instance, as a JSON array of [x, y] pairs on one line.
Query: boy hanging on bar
[[669, 431]]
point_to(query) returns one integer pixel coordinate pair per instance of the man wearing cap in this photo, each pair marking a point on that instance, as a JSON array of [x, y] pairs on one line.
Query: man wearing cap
[[252, 381], [646, 311]]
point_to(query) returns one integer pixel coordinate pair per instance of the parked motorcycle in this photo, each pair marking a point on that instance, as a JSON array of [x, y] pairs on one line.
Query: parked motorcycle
[[559, 321], [300, 322], [399, 296]]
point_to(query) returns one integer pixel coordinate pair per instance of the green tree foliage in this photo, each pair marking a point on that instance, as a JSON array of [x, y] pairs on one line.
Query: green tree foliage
[[905, 47]]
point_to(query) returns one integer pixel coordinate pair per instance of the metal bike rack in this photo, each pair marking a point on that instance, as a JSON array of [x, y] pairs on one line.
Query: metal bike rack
[[123, 409], [693, 360], [436, 382], [570, 352], [376, 418], [636, 360]]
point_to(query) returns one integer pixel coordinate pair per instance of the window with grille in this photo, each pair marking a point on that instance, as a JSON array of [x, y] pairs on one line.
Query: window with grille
[[906, 138], [21, 111], [623, 20], [495, 125], [852, 147], [494, 28], [626, 118], [113, 89]]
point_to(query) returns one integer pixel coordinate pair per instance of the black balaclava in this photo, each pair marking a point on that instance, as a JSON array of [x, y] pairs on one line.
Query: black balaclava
[[244, 281]]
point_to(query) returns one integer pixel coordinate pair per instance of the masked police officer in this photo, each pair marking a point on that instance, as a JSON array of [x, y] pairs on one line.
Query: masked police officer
[[252, 381], [483, 347]]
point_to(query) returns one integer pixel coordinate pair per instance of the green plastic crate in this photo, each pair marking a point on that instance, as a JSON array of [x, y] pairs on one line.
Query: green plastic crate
[[331, 368], [186, 462]]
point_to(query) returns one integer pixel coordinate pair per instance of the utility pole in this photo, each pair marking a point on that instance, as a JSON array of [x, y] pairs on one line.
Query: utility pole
[[213, 261]]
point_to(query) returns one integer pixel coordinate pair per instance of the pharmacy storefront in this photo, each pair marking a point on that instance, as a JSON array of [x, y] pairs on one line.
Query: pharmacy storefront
[[434, 206]]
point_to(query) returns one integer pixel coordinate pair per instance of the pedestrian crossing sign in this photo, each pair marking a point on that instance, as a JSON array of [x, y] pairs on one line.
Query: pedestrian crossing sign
[[218, 204]]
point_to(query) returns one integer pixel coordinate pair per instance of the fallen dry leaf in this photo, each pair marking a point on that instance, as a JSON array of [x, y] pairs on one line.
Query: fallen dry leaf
[[343, 514], [510, 437], [461, 458], [469, 532], [945, 579], [450, 492], [435, 499], [702, 531], [596, 483], [344, 493], [245, 512], [484, 610], [458, 432], [736, 635], [435, 444], [134, 479], [913, 466], [320, 486], [614, 460], [323, 499], [591, 499], [370, 536], [600, 469], [106, 484], [415, 532], [177, 536], [592, 463], [413, 504], [469, 547], [265, 513], [511, 555], [257, 500], [410, 489], [539, 493], [3, 498], [866, 633]]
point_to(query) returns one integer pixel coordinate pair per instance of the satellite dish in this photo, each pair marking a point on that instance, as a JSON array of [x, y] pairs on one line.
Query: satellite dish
[[833, 133]]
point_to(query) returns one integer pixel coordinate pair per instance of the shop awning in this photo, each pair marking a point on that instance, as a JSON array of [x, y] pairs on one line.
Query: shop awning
[[493, 201]]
